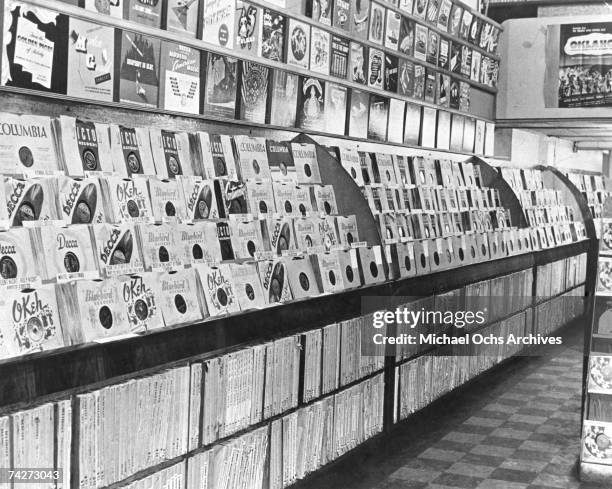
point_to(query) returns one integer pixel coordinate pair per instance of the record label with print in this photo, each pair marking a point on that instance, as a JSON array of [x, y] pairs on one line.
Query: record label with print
[[252, 158], [302, 279], [247, 240], [177, 296], [199, 197], [167, 204], [306, 234], [138, 299], [159, 248], [260, 198], [18, 264], [280, 160], [280, 235], [117, 249], [30, 200], [81, 201], [197, 242], [248, 289], [274, 280], [129, 199], [306, 163], [218, 288]]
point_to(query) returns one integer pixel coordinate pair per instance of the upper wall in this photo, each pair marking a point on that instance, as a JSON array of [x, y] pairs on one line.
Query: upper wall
[[522, 89]]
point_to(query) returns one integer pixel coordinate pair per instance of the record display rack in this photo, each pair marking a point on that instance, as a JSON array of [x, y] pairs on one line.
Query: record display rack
[[482, 105]]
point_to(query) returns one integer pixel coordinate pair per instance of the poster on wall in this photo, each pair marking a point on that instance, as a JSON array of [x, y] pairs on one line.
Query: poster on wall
[[585, 65]]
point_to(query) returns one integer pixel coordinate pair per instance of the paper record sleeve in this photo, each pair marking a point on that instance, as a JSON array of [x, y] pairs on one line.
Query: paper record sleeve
[[167, 204], [117, 249], [197, 242], [199, 197], [81, 201], [140, 304], [31, 200], [218, 288], [247, 239], [85, 146], [301, 276], [274, 280], [247, 286], [18, 263], [178, 297], [159, 248]]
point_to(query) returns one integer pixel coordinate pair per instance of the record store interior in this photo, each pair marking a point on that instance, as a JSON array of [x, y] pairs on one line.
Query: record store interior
[[305, 244]]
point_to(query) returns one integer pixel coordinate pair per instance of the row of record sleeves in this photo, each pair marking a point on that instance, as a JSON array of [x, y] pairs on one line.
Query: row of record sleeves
[[110, 65]]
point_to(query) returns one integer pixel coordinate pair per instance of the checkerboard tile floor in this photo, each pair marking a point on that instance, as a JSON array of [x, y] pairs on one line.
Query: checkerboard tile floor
[[517, 427]]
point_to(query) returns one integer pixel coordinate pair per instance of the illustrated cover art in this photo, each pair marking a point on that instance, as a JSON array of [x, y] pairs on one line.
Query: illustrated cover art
[[432, 11], [444, 14], [391, 73], [377, 23], [476, 62], [358, 63], [420, 42], [464, 96], [376, 68], [406, 77], [432, 47], [412, 124], [182, 16], [430, 86], [379, 115], [342, 14], [406, 36], [140, 303], [443, 54], [358, 114], [114, 8], [272, 42], [443, 87], [311, 104], [284, 96], [475, 29], [246, 30], [180, 78], [319, 51], [253, 92], [419, 81], [420, 9], [466, 61], [360, 17], [339, 57], [221, 86], [139, 69], [596, 444], [335, 108], [454, 94], [604, 276], [218, 22], [144, 12], [454, 63], [466, 23], [298, 44], [34, 48], [406, 5], [321, 11], [455, 19], [392, 30], [91, 55]]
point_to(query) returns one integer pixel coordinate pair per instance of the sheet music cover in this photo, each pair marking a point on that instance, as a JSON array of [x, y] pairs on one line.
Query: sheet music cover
[[406, 77], [376, 68], [272, 42], [218, 22], [319, 51], [91, 57], [339, 57], [311, 104], [406, 36], [360, 17], [182, 16], [358, 63], [139, 69], [298, 44], [221, 86], [180, 78], [145, 12], [248, 20]]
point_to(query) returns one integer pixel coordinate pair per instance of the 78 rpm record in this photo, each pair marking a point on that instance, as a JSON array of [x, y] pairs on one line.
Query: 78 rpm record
[[17, 260], [29, 205], [273, 277], [597, 442]]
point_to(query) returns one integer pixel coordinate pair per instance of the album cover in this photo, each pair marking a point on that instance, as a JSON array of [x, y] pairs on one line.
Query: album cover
[[167, 204], [85, 146], [392, 29], [34, 54], [114, 8], [604, 276], [179, 78], [396, 121], [301, 277], [19, 264], [91, 55], [182, 16], [406, 36], [464, 96], [272, 40], [218, 22], [246, 29], [117, 250], [432, 11], [432, 47], [253, 92], [319, 51], [283, 99], [443, 54], [31, 200], [131, 151], [199, 198], [335, 108], [466, 23], [171, 153], [34, 328], [455, 19], [475, 71], [339, 57], [600, 374], [358, 114], [391, 73], [274, 281], [466, 61], [26, 145], [358, 62], [454, 94], [443, 88], [360, 16], [320, 11], [306, 164], [377, 23], [221, 85], [376, 68], [248, 289], [198, 243], [406, 77], [311, 104], [139, 69], [139, 302], [144, 12], [475, 29], [378, 118], [419, 81], [298, 44], [80, 200], [430, 86], [217, 155], [342, 14], [420, 9], [420, 42], [596, 447], [444, 14], [454, 63]]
